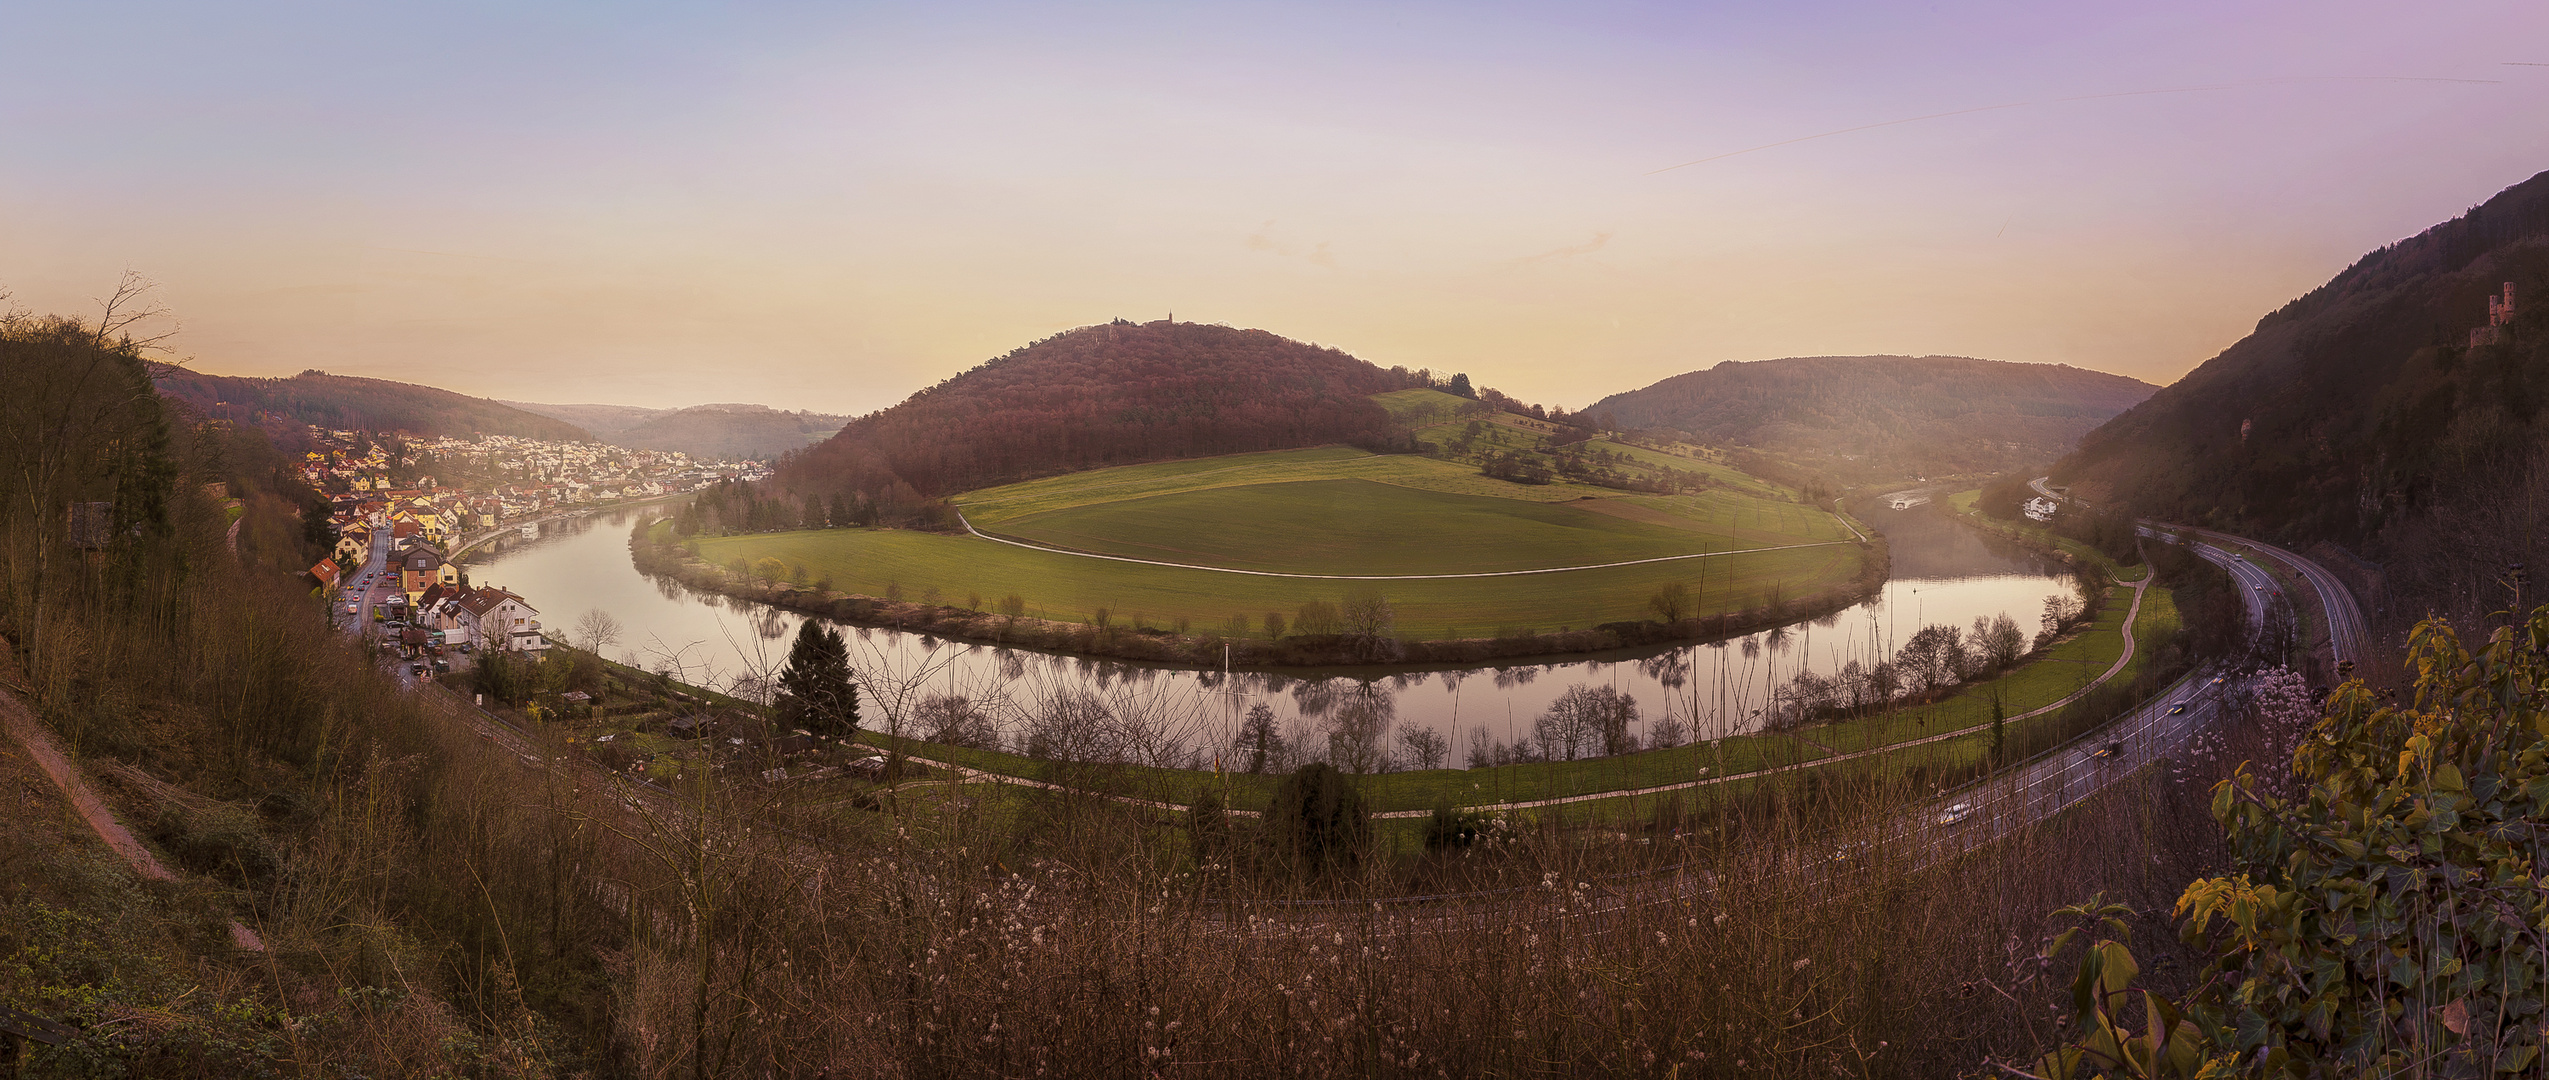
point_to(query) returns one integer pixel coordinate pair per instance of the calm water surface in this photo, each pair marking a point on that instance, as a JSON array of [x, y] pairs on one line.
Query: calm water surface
[[1943, 573]]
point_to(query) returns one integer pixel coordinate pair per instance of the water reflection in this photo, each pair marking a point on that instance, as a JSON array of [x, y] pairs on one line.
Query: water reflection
[[1947, 575]]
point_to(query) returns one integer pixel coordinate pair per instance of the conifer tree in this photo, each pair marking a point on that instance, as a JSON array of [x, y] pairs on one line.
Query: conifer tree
[[815, 691]]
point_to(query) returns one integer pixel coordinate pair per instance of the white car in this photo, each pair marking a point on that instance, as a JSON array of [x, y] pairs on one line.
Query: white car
[[1956, 813]]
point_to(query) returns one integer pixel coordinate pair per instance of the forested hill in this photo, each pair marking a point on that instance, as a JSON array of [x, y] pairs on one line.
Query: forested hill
[[2362, 414], [344, 401], [2360, 401], [702, 431], [1106, 395], [1877, 416]]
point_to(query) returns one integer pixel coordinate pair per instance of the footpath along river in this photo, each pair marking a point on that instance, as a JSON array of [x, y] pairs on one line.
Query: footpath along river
[[1943, 573]]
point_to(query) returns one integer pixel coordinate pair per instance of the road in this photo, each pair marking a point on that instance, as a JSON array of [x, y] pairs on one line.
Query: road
[[1952, 825], [2343, 617]]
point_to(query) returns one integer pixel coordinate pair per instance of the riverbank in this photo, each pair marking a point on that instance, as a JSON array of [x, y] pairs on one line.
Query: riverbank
[[1963, 507], [1103, 637], [469, 547]]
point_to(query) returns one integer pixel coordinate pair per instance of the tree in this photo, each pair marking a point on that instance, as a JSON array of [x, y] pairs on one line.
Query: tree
[[1370, 621], [1426, 748], [769, 570], [1317, 618], [1257, 737], [1358, 733], [1318, 818], [1460, 385], [1999, 640], [1933, 657], [598, 630], [815, 691], [1583, 719], [1670, 603], [2385, 917]]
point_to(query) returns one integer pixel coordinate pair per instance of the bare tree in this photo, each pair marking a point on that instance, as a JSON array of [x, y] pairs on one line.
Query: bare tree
[[1426, 748], [597, 630]]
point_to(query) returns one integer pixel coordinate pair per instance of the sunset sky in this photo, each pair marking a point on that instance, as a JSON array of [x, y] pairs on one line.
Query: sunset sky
[[828, 206]]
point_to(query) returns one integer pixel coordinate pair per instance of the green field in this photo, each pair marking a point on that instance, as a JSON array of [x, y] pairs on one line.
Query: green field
[[1365, 527], [1071, 588], [1336, 513]]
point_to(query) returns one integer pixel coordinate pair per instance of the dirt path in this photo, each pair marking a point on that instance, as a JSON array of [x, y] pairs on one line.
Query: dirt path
[[38, 742], [969, 527]]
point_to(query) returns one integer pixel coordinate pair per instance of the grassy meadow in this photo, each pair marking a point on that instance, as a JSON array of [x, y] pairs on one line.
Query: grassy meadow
[[958, 570], [1329, 511]]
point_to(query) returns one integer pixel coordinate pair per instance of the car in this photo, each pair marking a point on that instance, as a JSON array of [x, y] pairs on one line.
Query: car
[[2109, 750], [2259, 588], [416, 669], [2217, 680], [1956, 813], [2174, 710], [2239, 556]]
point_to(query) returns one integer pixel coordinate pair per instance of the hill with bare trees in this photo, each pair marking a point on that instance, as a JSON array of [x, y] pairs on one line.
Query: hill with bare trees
[[1878, 417], [1112, 394]]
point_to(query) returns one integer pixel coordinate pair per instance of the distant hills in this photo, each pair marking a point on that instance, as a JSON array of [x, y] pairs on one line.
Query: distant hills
[[345, 401], [1110, 394], [2364, 414], [702, 431], [1881, 416]]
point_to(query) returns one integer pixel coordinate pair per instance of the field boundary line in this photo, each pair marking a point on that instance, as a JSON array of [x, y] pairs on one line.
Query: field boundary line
[[969, 527]]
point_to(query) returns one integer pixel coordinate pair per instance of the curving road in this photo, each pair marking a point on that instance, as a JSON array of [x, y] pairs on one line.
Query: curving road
[[1955, 823]]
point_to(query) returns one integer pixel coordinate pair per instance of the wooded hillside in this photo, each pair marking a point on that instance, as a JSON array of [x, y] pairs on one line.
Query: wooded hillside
[[1880, 416], [1112, 394], [2363, 415], [345, 401]]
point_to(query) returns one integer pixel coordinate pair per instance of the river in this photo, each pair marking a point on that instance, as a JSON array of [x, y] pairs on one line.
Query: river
[[1943, 573]]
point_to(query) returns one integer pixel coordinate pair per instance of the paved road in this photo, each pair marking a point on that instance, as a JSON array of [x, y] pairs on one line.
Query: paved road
[[2347, 635], [1955, 823]]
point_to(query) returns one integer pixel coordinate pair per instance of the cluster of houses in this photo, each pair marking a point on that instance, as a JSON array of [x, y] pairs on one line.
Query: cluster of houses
[[355, 470], [422, 519]]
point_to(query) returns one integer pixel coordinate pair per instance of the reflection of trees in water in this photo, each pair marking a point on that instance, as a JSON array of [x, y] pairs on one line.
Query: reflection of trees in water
[[768, 622], [1317, 697], [670, 587], [1509, 677], [1670, 669]]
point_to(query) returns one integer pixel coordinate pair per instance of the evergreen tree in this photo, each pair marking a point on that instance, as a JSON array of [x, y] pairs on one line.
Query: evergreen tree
[[1318, 818], [815, 691]]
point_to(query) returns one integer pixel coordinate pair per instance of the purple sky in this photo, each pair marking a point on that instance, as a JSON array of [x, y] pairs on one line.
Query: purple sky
[[828, 206]]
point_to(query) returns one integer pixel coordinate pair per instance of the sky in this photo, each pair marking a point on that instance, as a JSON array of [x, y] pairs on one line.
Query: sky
[[828, 206]]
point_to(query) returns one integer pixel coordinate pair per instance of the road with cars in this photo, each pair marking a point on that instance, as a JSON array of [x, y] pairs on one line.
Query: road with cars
[[1954, 824]]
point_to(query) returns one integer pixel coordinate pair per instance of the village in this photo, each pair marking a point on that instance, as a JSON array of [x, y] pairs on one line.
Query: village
[[403, 511]]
